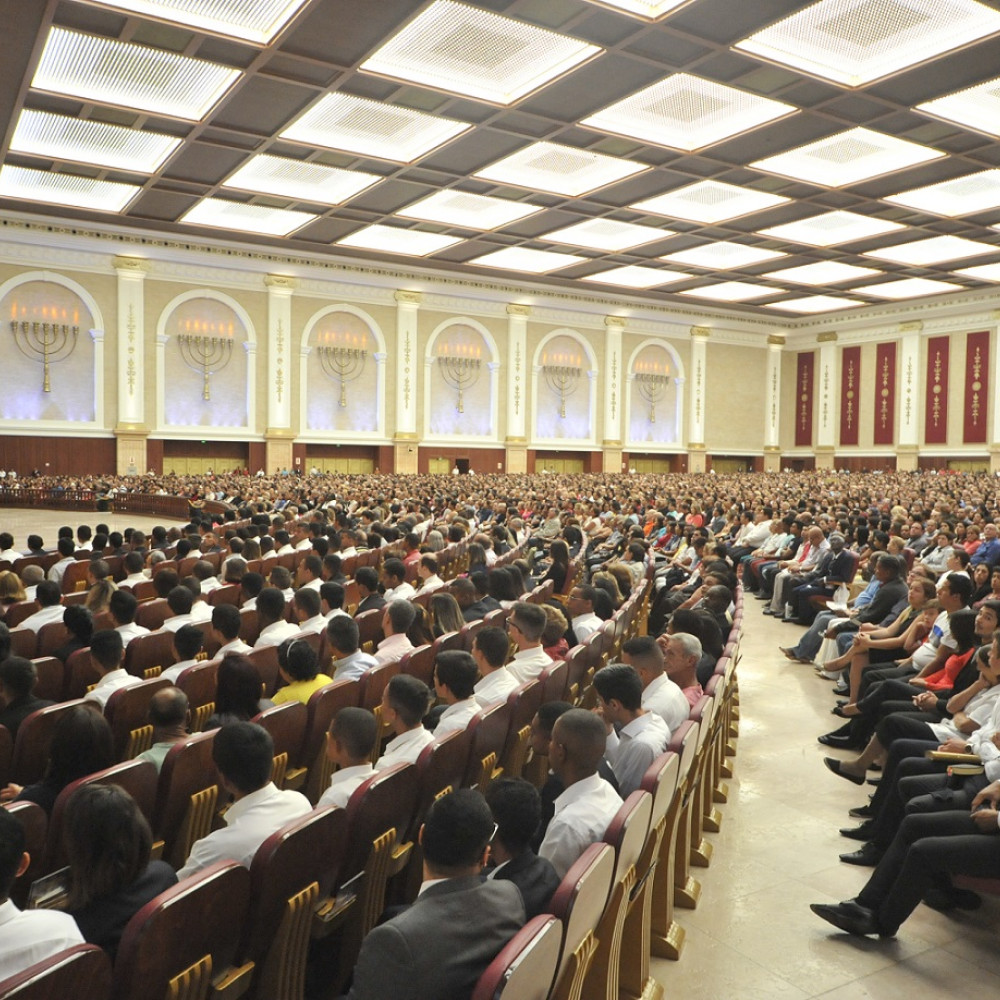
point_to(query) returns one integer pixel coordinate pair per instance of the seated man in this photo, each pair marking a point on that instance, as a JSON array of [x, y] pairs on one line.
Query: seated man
[[307, 611], [350, 746], [405, 702], [17, 692], [35, 935], [244, 755], [489, 650], [439, 947], [525, 626], [49, 597], [107, 654], [344, 639], [168, 712], [580, 606], [274, 630], [455, 674], [332, 596], [659, 693], [180, 600], [681, 653], [123, 607], [226, 623], [396, 620], [187, 643], [394, 581]]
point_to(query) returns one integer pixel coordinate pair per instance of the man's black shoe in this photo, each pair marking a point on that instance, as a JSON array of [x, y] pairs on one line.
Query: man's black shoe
[[867, 857]]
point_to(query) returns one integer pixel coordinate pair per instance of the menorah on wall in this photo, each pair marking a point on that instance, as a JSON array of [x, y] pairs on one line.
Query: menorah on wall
[[652, 387], [205, 355], [460, 372], [563, 380], [46, 342], [343, 364]]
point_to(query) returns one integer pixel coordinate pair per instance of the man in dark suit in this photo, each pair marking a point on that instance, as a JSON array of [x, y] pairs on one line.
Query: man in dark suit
[[17, 686], [517, 811], [439, 947], [367, 581]]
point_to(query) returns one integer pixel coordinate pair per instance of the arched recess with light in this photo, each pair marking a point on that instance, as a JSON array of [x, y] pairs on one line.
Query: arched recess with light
[[461, 379], [206, 367], [563, 390], [654, 397], [342, 376], [53, 319]]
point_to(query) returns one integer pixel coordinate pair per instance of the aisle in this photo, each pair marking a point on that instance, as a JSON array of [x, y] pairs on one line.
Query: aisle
[[752, 936]]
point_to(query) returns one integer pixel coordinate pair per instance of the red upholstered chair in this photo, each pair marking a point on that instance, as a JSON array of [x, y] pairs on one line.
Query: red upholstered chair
[[554, 681], [153, 614], [441, 767], [495, 619], [145, 590], [228, 594], [249, 626], [31, 747], [311, 771], [199, 684], [701, 787], [51, 637], [525, 967], [524, 703], [127, 712], [23, 641], [17, 612], [468, 633], [187, 938], [82, 972], [450, 640], [75, 577], [369, 629], [577, 662], [489, 737], [79, 673], [373, 684], [419, 663], [265, 660], [146, 653], [35, 823], [287, 725]]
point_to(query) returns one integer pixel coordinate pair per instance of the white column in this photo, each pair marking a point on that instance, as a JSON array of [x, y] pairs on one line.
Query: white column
[[131, 273], [772, 418], [162, 339], [828, 391], [407, 307], [910, 384], [696, 407], [280, 288], [517, 368], [614, 378]]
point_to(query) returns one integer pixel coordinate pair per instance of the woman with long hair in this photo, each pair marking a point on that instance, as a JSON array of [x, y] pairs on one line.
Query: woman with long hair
[[445, 614], [238, 692]]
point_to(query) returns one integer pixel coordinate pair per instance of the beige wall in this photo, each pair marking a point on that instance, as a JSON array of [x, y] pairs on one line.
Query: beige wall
[[735, 398]]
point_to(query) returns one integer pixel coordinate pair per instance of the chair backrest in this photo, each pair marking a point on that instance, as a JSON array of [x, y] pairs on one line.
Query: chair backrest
[[489, 736], [369, 628], [75, 577], [82, 972], [127, 710], [23, 641], [287, 725], [626, 833], [249, 626], [35, 824], [17, 612], [554, 681], [526, 965], [375, 681], [199, 683], [202, 916], [153, 614], [31, 747], [524, 702], [187, 769], [323, 705], [227, 594], [684, 743], [146, 651], [468, 633], [660, 781], [441, 765], [51, 683], [450, 640], [419, 663], [51, 637], [79, 673], [265, 660]]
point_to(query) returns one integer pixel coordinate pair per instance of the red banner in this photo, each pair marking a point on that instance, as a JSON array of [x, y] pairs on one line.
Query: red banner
[[936, 402], [804, 399], [850, 379], [977, 387], [885, 393]]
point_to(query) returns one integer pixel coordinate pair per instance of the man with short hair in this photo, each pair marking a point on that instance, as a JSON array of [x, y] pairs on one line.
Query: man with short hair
[[133, 564], [67, 553], [274, 630], [427, 571], [180, 600], [244, 757], [489, 650], [306, 604], [367, 581], [455, 674], [331, 597], [49, 597], [405, 702], [343, 636], [394, 581], [168, 712], [226, 623], [7, 551], [123, 607], [659, 693], [204, 572], [681, 653], [525, 625], [107, 654], [353, 732], [281, 579], [250, 587], [310, 573], [31, 577], [396, 619], [187, 644], [18, 677], [580, 608]]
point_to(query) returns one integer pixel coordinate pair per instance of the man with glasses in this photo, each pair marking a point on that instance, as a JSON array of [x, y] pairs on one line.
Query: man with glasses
[[525, 626]]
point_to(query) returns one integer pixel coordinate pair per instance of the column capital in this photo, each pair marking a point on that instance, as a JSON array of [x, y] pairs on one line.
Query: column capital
[[702, 332], [830, 337], [615, 322], [408, 298], [515, 309], [914, 326], [281, 282], [137, 266], [776, 340]]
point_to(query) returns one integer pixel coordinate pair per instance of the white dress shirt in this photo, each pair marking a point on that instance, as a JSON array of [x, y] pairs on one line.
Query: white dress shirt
[[405, 748], [343, 784], [496, 686], [401, 593], [631, 751], [316, 625], [45, 616], [583, 813], [177, 622], [58, 570], [353, 667], [249, 822], [585, 624], [455, 718], [109, 684], [393, 647], [33, 936], [275, 634], [134, 579], [173, 672], [236, 646], [529, 663], [667, 700], [131, 631]]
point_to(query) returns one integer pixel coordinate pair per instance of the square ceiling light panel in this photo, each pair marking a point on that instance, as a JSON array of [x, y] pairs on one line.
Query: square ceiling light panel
[[372, 128], [60, 137], [566, 170], [935, 250], [636, 277], [688, 113], [256, 21], [465, 50], [823, 272], [106, 71], [604, 234], [855, 42], [709, 202], [831, 229], [907, 288], [222, 214], [65, 189], [847, 158], [723, 256], [648, 10], [300, 181], [470, 211], [983, 272], [731, 291], [976, 107], [959, 196], [393, 239], [530, 261], [814, 304]]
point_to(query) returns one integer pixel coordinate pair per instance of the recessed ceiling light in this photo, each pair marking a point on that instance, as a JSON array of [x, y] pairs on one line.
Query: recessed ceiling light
[[959, 196], [708, 201], [831, 229], [730, 291], [636, 277], [907, 288], [60, 137], [131, 76], [975, 107], [524, 259], [65, 189], [933, 250], [604, 234], [723, 256], [224, 214], [300, 181], [823, 272], [854, 42], [686, 112], [983, 272], [648, 10], [847, 158], [465, 50], [472, 211], [393, 239], [252, 20], [814, 304], [372, 128], [547, 166]]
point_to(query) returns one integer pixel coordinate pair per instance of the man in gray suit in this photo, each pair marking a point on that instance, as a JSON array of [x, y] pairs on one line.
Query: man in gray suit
[[439, 947]]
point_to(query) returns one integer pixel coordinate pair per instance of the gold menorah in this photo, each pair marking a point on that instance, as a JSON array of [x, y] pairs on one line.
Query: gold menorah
[[459, 373], [563, 380], [652, 387], [344, 364], [45, 342], [206, 355]]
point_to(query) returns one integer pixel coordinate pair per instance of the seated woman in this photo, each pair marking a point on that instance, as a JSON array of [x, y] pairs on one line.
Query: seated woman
[[606, 581], [111, 877], [981, 588], [445, 614], [558, 565], [298, 665], [11, 590], [79, 623], [237, 692]]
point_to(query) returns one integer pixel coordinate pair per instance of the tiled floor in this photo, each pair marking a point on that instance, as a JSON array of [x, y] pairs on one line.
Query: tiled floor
[[752, 936]]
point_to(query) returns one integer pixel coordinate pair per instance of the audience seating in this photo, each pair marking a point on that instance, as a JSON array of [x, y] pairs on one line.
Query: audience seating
[[75, 577], [369, 629], [687, 890], [553, 680], [701, 849], [287, 725], [311, 771], [23, 641], [51, 637], [31, 747], [127, 712], [227, 594], [373, 684], [152, 614], [185, 797], [79, 673], [249, 626], [198, 683], [526, 965], [82, 972], [17, 613], [6, 753], [265, 660], [146, 653], [420, 663], [489, 737], [35, 824], [524, 703]]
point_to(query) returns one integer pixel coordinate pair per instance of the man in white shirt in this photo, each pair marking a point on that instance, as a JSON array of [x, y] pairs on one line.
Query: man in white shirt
[[310, 573], [331, 598], [585, 809], [583, 621], [107, 653], [32, 576], [352, 740], [244, 755], [349, 662], [394, 581], [659, 693], [204, 573], [123, 607], [133, 567], [396, 619], [7, 551], [427, 571], [180, 600], [489, 650], [282, 544], [226, 623], [274, 630], [282, 579], [405, 702], [66, 550], [187, 645], [636, 736], [306, 605], [525, 625], [30, 937], [455, 674], [49, 597]]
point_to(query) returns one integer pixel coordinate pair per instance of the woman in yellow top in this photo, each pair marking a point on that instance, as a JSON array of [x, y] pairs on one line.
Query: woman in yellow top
[[298, 665]]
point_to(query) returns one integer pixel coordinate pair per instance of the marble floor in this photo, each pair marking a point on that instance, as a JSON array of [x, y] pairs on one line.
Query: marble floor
[[752, 935], [21, 522]]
